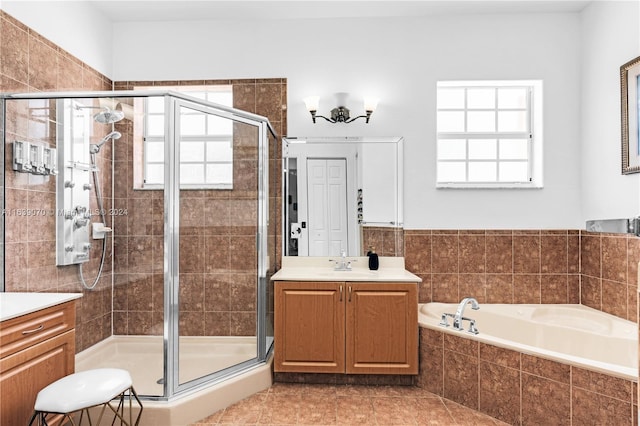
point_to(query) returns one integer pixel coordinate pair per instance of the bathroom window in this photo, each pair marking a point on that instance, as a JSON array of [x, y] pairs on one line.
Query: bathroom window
[[206, 142], [489, 134]]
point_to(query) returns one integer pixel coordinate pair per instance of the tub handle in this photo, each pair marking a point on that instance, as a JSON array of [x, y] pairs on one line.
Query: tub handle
[[472, 325], [340, 293], [443, 321]]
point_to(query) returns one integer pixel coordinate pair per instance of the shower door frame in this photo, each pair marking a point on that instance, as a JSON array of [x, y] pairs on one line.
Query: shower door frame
[[172, 389], [172, 385]]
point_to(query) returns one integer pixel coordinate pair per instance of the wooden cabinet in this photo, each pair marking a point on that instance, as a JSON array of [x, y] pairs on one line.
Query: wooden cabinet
[[309, 326], [346, 327], [382, 328], [36, 350]]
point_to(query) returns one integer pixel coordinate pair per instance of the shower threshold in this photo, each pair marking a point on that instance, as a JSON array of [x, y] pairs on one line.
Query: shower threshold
[[142, 357]]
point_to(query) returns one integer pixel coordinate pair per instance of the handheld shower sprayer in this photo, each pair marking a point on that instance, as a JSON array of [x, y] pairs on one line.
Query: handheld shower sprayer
[[95, 148]]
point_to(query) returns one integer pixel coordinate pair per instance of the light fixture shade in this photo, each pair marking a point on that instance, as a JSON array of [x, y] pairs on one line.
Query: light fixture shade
[[370, 103], [312, 102]]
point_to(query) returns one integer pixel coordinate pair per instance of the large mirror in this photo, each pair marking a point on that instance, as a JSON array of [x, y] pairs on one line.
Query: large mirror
[[342, 194]]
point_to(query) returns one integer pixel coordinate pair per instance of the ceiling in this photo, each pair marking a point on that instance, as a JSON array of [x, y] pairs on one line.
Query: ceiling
[[186, 10]]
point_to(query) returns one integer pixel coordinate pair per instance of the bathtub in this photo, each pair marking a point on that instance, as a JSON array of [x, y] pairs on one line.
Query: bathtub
[[570, 334]]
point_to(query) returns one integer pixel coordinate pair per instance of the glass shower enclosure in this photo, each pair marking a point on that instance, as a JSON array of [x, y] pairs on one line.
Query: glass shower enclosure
[[156, 206]]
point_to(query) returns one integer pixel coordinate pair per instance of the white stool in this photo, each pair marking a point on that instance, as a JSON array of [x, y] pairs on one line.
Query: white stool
[[85, 390]]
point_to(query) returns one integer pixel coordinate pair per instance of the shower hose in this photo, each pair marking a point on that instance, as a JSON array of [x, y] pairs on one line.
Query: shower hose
[[96, 184]]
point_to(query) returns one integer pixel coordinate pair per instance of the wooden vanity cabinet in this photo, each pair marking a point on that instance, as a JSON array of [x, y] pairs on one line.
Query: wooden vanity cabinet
[[382, 328], [346, 327], [36, 349], [309, 327]]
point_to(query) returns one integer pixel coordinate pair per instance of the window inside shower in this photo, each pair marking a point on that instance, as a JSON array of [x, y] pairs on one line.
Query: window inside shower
[[206, 146]]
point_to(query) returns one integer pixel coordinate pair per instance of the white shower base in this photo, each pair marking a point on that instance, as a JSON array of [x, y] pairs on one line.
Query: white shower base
[[199, 356]]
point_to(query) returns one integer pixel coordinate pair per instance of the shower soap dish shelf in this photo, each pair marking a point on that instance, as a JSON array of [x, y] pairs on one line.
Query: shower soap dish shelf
[[99, 231]]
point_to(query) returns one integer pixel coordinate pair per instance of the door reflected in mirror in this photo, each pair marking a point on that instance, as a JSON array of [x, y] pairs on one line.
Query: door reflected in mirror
[[342, 195]]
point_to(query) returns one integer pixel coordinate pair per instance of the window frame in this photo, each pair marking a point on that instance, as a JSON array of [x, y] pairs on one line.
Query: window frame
[[532, 135], [146, 139]]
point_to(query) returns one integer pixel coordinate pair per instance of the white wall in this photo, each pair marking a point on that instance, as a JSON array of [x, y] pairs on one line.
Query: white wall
[[73, 25], [610, 38], [399, 60]]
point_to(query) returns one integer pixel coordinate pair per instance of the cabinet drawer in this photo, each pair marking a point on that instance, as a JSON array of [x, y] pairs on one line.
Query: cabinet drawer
[[28, 330], [24, 374]]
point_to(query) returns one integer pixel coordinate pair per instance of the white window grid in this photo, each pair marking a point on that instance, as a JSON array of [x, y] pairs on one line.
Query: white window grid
[[495, 135], [206, 184], [207, 136]]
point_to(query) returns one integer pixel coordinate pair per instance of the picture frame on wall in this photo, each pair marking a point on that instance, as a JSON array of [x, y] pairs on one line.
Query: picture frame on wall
[[630, 104]]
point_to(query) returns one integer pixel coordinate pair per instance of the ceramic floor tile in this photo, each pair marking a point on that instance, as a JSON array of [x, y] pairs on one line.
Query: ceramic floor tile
[[354, 390], [463, 416], [287, 404], [317, 409], [392, 411], [354, 410]]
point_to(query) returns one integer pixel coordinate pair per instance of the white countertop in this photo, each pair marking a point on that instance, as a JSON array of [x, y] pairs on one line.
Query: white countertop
[[322, 269], [16, 304]]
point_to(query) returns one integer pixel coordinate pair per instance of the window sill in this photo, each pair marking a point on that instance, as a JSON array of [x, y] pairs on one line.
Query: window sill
[[467, 185]]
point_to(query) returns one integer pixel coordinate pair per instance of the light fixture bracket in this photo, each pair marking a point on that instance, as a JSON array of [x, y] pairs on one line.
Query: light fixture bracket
[[340, 114]]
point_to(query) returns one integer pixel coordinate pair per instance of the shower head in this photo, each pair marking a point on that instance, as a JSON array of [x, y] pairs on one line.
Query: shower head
[[95, 148], [108, 116]]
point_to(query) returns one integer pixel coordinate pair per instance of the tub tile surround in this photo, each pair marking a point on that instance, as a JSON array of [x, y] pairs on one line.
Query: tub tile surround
[[521, 389], [527, 266]]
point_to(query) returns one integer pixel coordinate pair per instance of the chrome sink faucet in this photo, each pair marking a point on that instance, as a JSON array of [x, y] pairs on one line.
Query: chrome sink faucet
[[342, 264], [457, 318]]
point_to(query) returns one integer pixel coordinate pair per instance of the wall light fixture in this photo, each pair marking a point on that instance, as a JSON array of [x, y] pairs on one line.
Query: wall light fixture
[[340, 114]]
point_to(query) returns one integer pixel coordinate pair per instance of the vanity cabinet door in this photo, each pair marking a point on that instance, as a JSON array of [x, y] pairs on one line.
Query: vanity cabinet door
[[309, 327], [382, 328]]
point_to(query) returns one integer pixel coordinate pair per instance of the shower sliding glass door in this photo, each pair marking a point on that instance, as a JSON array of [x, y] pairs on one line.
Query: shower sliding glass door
[[213, 172]]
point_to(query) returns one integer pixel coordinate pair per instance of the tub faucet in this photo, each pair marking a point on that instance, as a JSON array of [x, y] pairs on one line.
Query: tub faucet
[[457, 318]]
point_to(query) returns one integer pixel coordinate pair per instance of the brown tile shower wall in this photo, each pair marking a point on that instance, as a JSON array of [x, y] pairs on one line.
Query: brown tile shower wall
[[218, 229], [522, 389], [31, 63], [530, 266]]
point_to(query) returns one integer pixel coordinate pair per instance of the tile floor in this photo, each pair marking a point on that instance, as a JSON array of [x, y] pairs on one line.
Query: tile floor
[[301, 404]]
